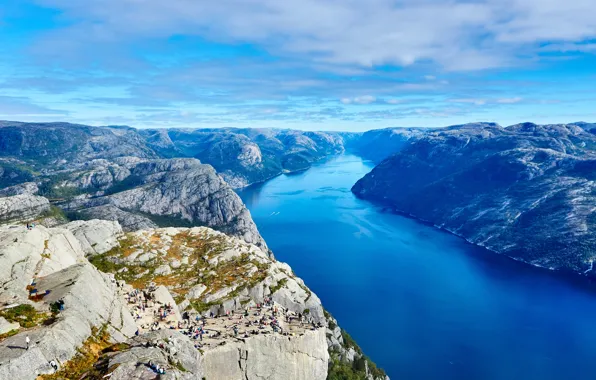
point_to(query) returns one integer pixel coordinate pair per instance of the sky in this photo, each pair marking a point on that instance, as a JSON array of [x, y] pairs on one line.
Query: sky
[[347, 65]]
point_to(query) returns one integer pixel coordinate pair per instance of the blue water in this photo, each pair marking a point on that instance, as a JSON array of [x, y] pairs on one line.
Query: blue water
[[423, 304]]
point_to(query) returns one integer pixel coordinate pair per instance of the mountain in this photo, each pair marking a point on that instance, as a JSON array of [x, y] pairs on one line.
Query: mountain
[[75, 288], [133, 300], [378, 144], [111, 173], [527, 191], [246, 156], [163, 192]]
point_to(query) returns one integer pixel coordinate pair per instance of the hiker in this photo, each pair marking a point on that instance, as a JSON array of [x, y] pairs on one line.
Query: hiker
[[54, 365], [27, 340]]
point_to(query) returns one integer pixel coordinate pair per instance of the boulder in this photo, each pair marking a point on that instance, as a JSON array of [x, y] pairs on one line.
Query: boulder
[[163, 296]]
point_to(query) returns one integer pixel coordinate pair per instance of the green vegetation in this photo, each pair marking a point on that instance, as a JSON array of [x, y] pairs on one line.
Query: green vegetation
[[202, 307], [126, 184], [279, 285], [15, 173], [339, 370], [8, 334], [82, 364], [55, 213], [50, 187], [104, 264], [178, 365], [26, 315]]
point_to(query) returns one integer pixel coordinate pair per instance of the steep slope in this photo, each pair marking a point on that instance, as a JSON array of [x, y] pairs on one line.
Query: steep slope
[[168, 282], [161, 192], [527, 191]]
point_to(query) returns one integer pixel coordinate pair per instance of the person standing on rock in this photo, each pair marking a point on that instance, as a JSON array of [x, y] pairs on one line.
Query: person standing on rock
[[27, 340]]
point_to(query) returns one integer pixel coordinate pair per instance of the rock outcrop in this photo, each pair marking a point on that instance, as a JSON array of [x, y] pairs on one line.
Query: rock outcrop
[[29, 188], [261, 357], [22, 207], [210, 273], [38, 267], [202, 270], [526, 191], [95, 236], [129, 221]]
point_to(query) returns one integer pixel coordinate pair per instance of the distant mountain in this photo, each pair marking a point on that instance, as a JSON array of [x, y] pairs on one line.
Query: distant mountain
[[246, 156], [527, 191], [378, 144]]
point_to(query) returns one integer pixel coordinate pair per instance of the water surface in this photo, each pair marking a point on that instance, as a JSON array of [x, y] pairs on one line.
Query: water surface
[[422, 303]]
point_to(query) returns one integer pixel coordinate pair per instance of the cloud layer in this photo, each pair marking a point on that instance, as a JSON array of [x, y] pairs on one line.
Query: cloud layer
[[199, 62]]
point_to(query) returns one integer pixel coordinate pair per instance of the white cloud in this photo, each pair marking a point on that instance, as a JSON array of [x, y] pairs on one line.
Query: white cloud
[[458, 35], [366, 99], [481, 102], [509, 100], [477, 102]]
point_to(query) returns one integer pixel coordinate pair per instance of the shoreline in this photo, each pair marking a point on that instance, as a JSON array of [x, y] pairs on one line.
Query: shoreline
[[576, 278]]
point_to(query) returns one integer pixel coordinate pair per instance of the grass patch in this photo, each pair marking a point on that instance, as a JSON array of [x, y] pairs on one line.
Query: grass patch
[[26, 315], [8, 334], [279, 285], [55, 213]]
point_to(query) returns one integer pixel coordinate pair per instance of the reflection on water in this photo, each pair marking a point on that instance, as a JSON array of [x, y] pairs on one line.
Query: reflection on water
[[422, 303]]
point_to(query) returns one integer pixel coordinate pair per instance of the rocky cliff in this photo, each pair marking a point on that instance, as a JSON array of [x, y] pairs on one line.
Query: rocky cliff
[[201, 273], [37, 268], [147, 193], [526, 191]]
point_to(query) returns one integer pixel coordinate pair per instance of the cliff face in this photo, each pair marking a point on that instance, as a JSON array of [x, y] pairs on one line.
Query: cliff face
[[197, 271], [526, 191], [167, 191]]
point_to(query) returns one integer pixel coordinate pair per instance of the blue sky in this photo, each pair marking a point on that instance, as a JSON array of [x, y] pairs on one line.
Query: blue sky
[[305, 64]]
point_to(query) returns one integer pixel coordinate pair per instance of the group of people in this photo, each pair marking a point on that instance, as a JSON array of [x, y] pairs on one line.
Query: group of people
[[160, 370], [30, 226]]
